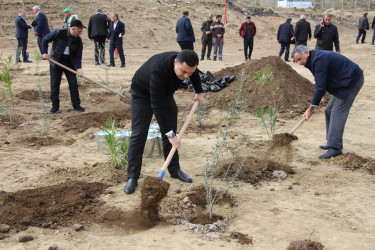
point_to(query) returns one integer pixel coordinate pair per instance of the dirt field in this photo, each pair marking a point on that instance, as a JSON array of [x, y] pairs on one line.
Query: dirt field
[[49, 186]]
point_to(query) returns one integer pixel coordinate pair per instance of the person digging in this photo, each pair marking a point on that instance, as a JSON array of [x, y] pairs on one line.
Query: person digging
[[343, 79], [152, 89]]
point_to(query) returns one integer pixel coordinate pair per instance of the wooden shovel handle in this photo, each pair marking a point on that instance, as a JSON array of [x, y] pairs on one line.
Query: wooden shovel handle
[[75, 72], [297, 126], [182, 131]]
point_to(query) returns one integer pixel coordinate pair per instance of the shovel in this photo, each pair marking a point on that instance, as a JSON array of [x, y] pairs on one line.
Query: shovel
[[299, 124], [173, 149], [101, 85]]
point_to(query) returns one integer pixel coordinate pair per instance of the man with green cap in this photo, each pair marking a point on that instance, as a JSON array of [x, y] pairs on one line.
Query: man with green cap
[[68, 18]]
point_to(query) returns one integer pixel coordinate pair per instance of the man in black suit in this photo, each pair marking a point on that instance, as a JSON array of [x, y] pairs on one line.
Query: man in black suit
[[285, 35], [303, 31], [22, 33], [116, 32], [40, 24], [98, 31]]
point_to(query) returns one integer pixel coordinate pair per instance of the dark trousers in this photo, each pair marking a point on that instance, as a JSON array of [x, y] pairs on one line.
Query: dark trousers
[[141, 113], [248, 43], [301, 42], [361, 33], [284, 46], [56, 74], [40, 38], [112, 47], [186, 45], [336, 113], [206, 42], [99, 51], [22, 45]]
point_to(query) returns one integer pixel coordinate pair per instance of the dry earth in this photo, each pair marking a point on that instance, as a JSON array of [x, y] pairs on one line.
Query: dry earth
[[327, 201]]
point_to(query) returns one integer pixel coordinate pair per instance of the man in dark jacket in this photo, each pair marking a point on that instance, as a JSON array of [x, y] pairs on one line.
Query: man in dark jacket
[[206, 37], [115, 34], [340, 77], [363, 25], [98, 31], [247, 32], [302, 31], [40, 24], [22, 33], [152, 89], [327, 35], [66, 49], [373, 28], [185, 32], [285, 35]]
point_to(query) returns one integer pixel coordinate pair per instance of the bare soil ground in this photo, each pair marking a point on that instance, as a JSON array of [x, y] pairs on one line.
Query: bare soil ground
[[48, 186]]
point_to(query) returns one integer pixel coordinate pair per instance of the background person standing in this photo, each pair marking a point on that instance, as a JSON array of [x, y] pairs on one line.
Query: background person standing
[[40, 24], [218, 30], [373, 28], [285, 35], [247, 32], [326, 34], [98, 31], [185, 32], [206, 38], [22, 33], [68, 18], [302, 31], [115, 34], [363, 25]]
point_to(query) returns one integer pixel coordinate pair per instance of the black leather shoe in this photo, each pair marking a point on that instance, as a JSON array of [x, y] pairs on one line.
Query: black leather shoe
[[208, 58], [27, 61], [123, 66], [181, 176], [332, 152], [97, 63], [324, 147], [79, 108], [130, 186], [54, 110], [111, 65]]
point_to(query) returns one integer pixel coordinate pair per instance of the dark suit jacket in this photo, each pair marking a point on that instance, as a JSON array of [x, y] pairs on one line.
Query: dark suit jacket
[[285, 33], [184, 30], [98, 25], [303, 29], [327, 36], [113, 34], [21, 27], [41, 24]]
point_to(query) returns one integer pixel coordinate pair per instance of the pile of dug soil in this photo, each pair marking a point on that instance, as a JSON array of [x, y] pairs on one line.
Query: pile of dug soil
[[353, 161], [305, 245], [292, 91], [63, 204]]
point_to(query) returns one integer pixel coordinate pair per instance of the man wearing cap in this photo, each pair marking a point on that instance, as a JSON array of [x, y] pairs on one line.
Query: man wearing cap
[[68, 18], [40, 24], [247, 32], [363, 25], [206, 37], [66, 49], [115, 34], [218, 30], [98, 31], [185, 32], [302, 31], [285, 35], [22, 33]]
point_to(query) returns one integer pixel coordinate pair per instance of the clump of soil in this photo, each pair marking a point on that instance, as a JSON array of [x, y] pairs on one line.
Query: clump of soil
[[152, 192], [292, 92], [62, 204], [283, 139], [204, 219], [353, 161], [242, 238], [305, 245], [253, 170], [41, 141], [197, 196]]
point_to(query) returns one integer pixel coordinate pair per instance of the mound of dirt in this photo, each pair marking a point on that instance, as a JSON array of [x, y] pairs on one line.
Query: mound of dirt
[[353, 161], [253, 170], [292, 92], [305, 245], [197, 196], [63, 204]]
